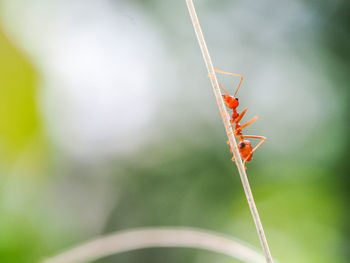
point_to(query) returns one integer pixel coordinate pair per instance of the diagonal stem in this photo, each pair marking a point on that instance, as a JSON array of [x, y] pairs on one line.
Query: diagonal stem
[[226, 120]]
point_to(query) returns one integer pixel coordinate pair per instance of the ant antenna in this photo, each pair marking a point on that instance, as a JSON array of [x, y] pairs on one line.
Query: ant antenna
[[232, 74], [224, 89]]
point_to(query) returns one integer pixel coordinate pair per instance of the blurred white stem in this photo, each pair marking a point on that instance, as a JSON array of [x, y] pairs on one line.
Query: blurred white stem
[[158, 237], [226, 120]]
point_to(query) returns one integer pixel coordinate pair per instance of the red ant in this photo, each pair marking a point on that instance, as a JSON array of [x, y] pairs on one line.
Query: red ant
[[245, 147]]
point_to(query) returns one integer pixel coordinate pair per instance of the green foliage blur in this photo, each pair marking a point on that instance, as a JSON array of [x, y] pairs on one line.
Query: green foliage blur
[[49, 201], [20, 136]]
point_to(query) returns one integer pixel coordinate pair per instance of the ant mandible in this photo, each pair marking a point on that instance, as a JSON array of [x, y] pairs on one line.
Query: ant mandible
[[245, 147]]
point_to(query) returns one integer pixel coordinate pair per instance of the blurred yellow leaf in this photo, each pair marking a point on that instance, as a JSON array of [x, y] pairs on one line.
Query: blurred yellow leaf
[[18, 115]]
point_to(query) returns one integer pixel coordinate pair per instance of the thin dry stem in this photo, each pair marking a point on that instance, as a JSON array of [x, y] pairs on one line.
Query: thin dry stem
[[226, 120], [158, 237]]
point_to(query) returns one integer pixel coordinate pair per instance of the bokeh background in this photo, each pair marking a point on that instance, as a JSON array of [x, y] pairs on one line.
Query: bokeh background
[[108, 122]]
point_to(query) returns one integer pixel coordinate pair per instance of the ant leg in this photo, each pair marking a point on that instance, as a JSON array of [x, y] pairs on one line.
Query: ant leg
[[246, 124], [228, 143], [221, 87], [239, 118], [262, 138], [245, 160], [228, 73], [220, 114]]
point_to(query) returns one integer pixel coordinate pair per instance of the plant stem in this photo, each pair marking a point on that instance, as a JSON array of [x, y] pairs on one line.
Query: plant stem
[[134, 239], [232, 140]]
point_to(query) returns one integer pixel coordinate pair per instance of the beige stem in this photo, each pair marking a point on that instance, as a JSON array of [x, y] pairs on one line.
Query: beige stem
[[226, 120], [158, 237]]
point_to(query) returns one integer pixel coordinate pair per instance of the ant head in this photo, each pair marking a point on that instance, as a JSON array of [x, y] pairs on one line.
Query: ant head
[[231, 102]]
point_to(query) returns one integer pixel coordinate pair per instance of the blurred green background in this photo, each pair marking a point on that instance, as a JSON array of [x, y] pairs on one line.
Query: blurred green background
[[108, 122]]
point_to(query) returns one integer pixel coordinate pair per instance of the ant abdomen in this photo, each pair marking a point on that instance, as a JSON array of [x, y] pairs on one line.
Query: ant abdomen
[[245, 149]]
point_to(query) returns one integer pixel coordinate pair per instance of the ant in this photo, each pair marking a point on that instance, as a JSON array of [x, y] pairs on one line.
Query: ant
[[245, 147]]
